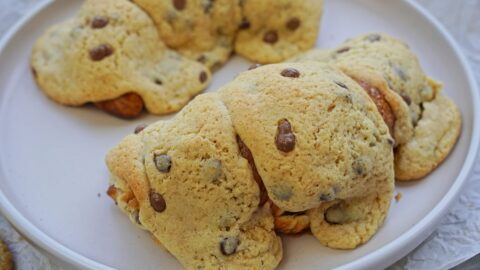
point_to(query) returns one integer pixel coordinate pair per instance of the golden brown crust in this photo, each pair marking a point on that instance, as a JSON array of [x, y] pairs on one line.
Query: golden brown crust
[[382, 105], [288, 222], [129, 105]]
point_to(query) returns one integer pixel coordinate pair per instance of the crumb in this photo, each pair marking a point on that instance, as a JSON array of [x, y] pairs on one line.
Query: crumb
[[99, 195], [398, 197]]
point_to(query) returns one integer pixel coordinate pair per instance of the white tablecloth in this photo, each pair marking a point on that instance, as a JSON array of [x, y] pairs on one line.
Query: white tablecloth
[[456, 239]]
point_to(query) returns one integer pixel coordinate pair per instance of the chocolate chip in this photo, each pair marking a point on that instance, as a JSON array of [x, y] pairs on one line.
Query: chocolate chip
[[158, 81], [293, 24], [100, 52], [285, 139], [99, 22], [341, 84], [290, 72], [212, 169], [374, 37], [391, 141], [328, 196], [294, 214], [244, 150], [229, 245], [202, 59], [247, 154], [179, 4], [406, 98], [254, 66], [203, 76], [344, 49], [270, 37], [336, 215], [282, 193], [140, 128], [401, 73], [163, 163], [244, 24], [359, 168], [157, 202]]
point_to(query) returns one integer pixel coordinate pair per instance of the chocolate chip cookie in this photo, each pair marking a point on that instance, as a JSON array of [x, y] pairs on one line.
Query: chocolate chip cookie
[[202, 30], [391, 73], [435, 136], [111, 54], [288, 115], [195, 191], [274, 30]]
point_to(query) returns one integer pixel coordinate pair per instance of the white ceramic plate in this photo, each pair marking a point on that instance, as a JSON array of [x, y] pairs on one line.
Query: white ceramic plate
[[53, 178]]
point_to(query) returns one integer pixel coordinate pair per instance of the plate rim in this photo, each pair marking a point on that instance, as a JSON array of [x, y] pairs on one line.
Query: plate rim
[[382, 257]]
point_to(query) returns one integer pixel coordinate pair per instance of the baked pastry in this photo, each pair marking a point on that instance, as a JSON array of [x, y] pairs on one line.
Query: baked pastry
[[6, 260], [390, 72], [263, 31], [110, 54], [203, 183], [435, 136], [348, 223], [202, 30], [274, 30], [195, 192], [288, 115]]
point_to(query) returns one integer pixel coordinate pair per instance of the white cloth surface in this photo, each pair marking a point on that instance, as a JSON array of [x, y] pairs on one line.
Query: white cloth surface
[[456, 239]]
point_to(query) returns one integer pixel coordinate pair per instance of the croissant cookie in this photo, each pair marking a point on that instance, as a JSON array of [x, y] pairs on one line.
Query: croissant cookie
[[204, 182]]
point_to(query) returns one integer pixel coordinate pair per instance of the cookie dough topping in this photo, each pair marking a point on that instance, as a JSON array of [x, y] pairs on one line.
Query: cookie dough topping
[[203, 77], [270, 37], [293, 24], [244, 24], [99, 22]]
